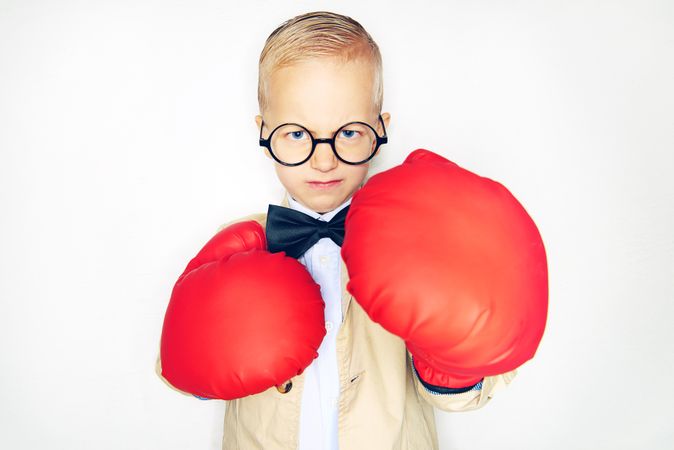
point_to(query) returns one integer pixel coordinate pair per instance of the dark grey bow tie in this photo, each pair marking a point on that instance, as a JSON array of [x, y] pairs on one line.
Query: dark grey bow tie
[[294, 232]]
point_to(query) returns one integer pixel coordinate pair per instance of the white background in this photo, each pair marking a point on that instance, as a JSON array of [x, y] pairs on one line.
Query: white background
[[127, 137]]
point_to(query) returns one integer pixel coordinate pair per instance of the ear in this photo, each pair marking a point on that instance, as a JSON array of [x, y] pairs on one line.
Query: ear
[[386, 117], [258, 123]]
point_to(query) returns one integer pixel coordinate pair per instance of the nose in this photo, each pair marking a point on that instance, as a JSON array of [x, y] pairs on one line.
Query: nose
[[323, 158]]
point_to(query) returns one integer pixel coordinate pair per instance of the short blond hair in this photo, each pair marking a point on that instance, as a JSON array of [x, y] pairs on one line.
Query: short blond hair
[[318, 34]]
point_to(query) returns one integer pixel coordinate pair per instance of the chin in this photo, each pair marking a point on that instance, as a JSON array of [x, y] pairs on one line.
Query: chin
[[323, 207], [326, 204]]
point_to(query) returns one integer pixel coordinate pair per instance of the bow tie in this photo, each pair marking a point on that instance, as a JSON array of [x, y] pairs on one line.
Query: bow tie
[[294, 232]]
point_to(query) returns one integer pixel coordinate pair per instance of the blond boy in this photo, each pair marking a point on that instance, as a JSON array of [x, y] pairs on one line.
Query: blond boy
[[322, 70]]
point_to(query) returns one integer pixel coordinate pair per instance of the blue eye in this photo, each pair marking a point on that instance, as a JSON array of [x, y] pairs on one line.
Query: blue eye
[[349, 133], [297, 134]]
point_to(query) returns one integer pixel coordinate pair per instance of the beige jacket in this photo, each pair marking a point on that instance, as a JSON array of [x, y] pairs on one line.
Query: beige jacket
[[382, 404]]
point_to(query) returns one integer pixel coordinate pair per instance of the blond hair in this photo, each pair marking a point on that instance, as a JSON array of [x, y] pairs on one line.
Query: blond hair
[[318, 34]]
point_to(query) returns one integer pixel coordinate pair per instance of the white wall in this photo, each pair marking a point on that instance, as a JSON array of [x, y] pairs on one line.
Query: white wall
[[127, 137]]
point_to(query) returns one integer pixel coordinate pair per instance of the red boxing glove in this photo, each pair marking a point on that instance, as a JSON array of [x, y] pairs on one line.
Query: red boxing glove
[[450, 262], [240, 319]]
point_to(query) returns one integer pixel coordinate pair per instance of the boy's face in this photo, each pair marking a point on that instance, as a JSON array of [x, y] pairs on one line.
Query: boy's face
[[321, 94]]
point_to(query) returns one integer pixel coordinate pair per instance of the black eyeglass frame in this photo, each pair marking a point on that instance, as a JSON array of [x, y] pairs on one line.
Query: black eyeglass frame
[[315, 141]]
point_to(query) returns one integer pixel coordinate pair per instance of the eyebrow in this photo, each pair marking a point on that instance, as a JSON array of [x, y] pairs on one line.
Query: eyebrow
[[314, 131], [271, 127]]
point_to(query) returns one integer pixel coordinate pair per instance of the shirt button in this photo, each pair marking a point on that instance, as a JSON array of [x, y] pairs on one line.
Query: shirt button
[[328, 326], [324, 260]]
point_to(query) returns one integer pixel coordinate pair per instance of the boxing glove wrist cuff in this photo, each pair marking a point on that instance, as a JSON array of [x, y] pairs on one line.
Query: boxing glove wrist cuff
[[444, 383]]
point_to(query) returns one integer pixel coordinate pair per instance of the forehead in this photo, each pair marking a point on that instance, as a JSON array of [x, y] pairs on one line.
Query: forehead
[[321, 93]]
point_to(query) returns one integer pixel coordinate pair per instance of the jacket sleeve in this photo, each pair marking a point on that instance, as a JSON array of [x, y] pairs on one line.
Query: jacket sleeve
[[461, 400]]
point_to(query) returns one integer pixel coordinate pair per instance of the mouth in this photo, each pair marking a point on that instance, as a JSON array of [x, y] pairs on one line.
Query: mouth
[[323, 184]]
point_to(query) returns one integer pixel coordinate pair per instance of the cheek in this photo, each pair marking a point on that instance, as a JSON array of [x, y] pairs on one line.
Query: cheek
[[289, 176], [358, 173], [281, 174]]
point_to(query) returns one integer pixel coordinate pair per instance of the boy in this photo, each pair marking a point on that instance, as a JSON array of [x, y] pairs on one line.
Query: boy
[[320, 73]]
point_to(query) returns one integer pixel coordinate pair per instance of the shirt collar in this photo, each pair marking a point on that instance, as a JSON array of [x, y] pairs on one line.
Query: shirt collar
[[294, 204]]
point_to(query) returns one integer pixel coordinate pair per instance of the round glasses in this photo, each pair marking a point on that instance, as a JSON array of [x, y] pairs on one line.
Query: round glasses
[[354, 143]]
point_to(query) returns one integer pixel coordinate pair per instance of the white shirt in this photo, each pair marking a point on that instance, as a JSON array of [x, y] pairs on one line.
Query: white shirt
[[318, 413]]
